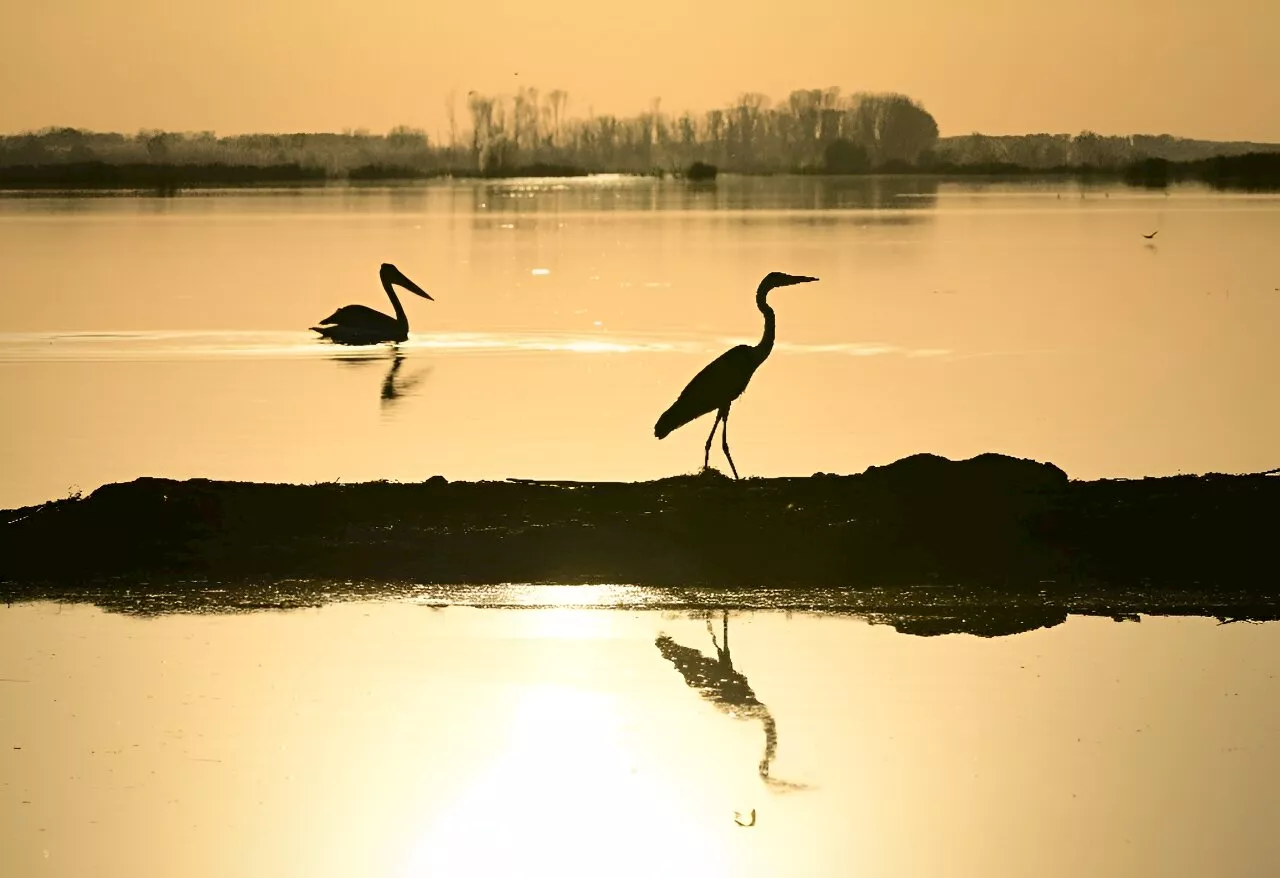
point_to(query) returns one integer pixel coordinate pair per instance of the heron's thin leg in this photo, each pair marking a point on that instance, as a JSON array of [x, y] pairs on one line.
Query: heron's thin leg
[[706, 457], [722, 652], [724, 438]]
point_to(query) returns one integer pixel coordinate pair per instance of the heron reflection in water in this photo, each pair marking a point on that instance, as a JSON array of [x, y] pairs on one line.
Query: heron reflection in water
[[719, 682]]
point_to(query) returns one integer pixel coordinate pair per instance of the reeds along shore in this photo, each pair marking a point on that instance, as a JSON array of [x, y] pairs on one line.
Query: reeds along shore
[[1250, 172]]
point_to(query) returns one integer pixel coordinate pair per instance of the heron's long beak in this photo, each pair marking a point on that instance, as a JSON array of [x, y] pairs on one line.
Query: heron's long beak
[[798, 279]]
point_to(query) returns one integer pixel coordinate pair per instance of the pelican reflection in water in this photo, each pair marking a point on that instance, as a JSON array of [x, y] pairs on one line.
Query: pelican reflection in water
[[720, 683], [358, 324], [395, 386]]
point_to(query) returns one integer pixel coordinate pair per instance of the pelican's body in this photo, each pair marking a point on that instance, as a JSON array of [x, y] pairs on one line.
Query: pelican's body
[[358, 324], [725, 378]]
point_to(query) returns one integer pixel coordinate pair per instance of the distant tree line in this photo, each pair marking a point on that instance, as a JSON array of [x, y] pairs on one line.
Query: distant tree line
[[821, 131], [534, 129], [752, 136], [1084, 150]]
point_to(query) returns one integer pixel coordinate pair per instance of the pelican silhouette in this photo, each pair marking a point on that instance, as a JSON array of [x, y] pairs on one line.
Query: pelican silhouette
[[358, 324], [719, 682], [725, 378]]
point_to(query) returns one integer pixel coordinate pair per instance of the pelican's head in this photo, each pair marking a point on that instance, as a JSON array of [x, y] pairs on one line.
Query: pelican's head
[[392, 275], [775, 279]]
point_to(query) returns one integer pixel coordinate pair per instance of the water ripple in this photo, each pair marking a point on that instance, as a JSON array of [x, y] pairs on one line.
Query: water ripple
[[18, 347]]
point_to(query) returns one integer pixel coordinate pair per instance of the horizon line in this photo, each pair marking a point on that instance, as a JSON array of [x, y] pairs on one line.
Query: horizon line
[[439, 138]]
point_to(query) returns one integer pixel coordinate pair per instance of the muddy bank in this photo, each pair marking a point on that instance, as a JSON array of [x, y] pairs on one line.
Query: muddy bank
[[991, 522], [920, 610]]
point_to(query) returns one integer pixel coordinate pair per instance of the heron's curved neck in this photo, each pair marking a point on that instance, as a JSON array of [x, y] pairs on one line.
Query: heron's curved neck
[[395, 303], [766, 341]]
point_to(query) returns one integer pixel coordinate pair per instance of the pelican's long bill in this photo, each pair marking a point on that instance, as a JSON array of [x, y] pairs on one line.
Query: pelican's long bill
[[391, 274]]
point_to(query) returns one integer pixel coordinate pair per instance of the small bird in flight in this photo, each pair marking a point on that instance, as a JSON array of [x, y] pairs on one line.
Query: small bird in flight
[[1152, 235]]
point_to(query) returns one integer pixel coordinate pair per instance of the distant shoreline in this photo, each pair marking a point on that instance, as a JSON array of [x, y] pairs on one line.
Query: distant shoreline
[[1247, 172]]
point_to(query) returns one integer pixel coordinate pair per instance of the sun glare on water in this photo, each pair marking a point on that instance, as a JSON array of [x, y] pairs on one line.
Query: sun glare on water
[[564, 799]]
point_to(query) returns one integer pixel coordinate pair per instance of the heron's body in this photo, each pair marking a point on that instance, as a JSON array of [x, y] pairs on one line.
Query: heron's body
[[360, 325], [720, 382], [724, 379]]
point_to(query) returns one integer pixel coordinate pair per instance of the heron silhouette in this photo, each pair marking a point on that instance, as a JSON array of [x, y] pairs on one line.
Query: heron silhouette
[[725, 378], [724, 686], [358, 324]]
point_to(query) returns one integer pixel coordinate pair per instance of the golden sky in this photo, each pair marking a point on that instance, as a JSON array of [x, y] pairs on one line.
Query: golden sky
[[1195, 69]]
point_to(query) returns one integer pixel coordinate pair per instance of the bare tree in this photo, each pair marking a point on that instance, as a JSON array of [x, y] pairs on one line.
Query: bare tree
[[450, 108]]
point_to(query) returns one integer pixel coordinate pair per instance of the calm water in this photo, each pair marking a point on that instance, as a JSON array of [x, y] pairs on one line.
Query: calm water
[[154, 336], [402, 738]]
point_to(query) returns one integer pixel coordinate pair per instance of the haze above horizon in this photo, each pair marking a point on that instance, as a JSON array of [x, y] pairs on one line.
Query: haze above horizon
[[995, 66]]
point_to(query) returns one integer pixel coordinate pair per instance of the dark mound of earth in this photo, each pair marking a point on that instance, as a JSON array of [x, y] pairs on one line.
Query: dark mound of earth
[[991, 522]]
